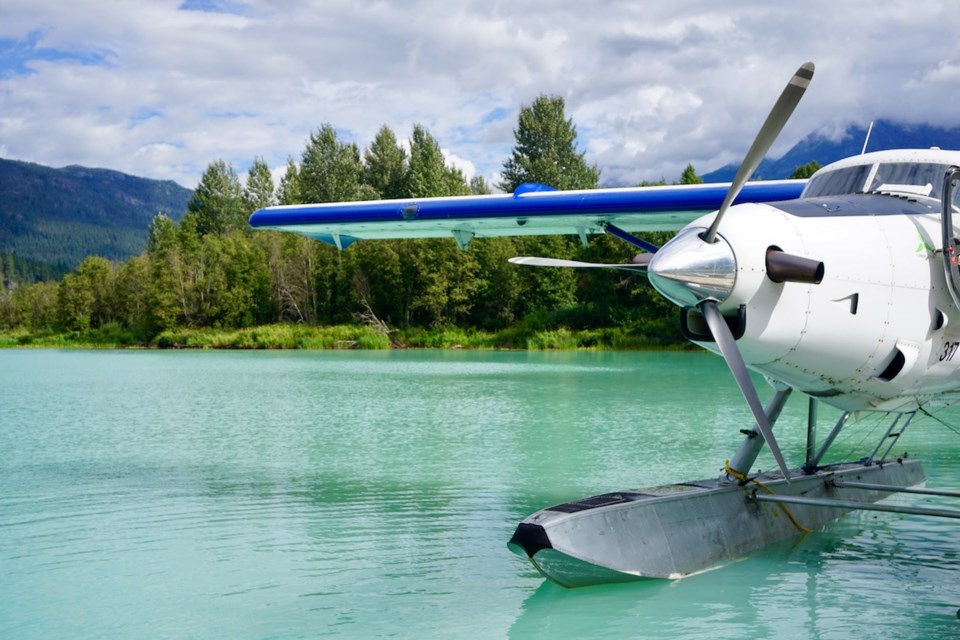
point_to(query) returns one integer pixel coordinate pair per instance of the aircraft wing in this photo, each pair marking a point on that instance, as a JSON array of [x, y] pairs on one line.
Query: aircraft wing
[[531, 210]]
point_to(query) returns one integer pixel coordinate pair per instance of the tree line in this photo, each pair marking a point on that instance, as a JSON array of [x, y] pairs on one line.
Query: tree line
[[213, 270]]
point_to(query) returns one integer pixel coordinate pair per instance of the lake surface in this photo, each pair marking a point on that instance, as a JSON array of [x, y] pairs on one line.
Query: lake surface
[[371, 494]]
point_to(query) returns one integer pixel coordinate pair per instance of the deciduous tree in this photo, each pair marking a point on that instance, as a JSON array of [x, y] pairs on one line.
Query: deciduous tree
[[479, 186], [86, 296], [805, 171]]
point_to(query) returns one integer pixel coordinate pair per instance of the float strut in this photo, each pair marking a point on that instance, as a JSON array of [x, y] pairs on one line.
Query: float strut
[[747, 454], [811, 433], [853, 504], [896, 489], [812, 464]]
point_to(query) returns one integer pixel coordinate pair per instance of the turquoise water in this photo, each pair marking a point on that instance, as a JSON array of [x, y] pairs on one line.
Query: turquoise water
[[355, 494]]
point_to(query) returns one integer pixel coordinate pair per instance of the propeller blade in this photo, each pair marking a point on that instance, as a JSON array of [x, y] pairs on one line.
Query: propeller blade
[[639, 266], [731, 354], [771, 128]]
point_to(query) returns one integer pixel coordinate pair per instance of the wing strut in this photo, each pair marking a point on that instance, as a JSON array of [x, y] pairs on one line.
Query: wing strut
[[628, 237]]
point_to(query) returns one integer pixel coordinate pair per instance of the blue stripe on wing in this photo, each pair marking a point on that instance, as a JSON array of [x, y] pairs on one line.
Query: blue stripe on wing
[[363, 219]]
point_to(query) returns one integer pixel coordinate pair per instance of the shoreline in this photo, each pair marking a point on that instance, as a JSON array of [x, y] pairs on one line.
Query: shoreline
[[341, 337]]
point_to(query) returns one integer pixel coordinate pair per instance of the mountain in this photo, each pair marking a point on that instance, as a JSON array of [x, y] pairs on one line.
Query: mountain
[[818, 147], [60, 216]]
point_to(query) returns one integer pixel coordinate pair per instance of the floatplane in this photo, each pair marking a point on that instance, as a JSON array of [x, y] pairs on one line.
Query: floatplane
[[844, 288]]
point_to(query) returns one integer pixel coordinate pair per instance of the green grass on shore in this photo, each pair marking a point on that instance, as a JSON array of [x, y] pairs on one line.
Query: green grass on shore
[[287, 336]]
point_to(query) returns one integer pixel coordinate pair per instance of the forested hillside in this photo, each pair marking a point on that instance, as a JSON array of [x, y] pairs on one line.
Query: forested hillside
[[60, 216]]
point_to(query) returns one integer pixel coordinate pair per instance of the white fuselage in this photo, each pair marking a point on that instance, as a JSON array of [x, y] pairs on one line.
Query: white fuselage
[[881, 330]]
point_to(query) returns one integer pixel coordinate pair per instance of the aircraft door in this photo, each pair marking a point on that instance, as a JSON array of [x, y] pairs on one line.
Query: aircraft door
[[951, 244]]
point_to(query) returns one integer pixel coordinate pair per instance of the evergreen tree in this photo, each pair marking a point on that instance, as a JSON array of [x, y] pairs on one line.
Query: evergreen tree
[[546, 153], [258, 192], [546, 150], [330, 170], [427, 172], [689, 176], [289, 191], [385, 165], [218, 201], [162, 234]]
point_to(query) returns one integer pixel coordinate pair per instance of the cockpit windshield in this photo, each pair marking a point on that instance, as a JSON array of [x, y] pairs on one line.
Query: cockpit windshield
[[916, 178], [837, 183]]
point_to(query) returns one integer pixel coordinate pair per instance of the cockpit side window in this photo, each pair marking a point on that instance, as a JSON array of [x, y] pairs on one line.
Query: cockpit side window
[[924, 179], [839, 182]]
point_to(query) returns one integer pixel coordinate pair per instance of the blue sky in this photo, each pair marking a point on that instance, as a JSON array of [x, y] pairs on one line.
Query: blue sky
[[163, 88], [16, 54]]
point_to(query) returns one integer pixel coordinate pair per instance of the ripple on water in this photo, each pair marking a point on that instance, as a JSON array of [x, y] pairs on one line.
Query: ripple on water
[[368, 495]]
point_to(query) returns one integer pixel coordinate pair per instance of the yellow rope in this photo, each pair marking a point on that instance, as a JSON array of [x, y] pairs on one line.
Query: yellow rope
[[742, 477], [730, 471]]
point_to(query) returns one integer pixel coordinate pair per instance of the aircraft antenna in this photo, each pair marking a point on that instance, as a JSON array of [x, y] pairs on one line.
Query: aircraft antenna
[[867, 139]]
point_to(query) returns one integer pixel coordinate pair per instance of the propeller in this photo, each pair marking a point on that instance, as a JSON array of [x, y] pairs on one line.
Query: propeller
[[771, 128], [703, 277], [699, 269]]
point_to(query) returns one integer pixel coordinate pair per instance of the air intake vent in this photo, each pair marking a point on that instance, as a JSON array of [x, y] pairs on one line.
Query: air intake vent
[[894, 368]]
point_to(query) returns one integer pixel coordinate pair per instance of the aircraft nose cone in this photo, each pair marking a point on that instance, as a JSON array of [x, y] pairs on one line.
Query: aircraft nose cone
[[688, 270]]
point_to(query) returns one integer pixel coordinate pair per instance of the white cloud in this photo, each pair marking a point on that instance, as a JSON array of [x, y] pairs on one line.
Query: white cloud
[[453, 160], [161, 92]]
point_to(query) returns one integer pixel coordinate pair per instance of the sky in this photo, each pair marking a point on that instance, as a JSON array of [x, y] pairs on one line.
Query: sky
[[162, 89]]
